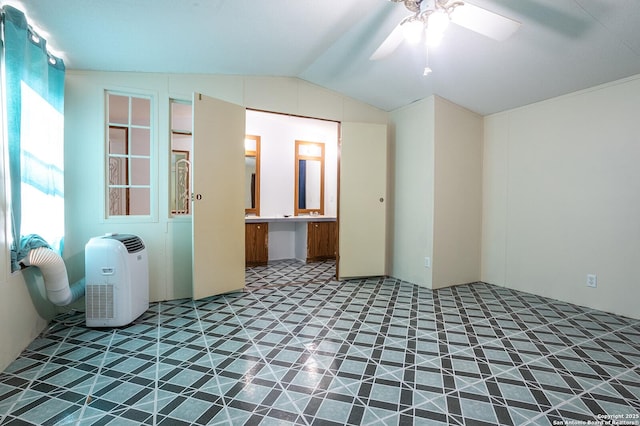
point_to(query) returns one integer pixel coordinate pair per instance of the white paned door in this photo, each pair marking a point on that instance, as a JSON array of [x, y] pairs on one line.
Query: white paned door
[[363, 199], [218, 196]]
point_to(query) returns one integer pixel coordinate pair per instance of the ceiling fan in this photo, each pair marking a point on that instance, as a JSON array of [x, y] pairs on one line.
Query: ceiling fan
[[431, 17]]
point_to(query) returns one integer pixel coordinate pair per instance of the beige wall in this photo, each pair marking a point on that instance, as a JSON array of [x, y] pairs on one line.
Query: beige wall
[[168, 239], [562, 198], [20, 320], [437, 193], [458, 195], [413, 152]]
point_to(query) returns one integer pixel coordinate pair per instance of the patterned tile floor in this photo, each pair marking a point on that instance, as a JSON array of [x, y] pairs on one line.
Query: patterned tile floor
[[286, 272], [372, 351]]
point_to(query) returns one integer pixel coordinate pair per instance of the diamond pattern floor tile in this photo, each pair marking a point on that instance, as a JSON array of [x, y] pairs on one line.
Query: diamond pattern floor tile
[[298, 347]]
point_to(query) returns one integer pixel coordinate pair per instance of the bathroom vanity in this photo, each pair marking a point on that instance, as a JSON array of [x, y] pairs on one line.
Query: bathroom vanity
[[309, 238]]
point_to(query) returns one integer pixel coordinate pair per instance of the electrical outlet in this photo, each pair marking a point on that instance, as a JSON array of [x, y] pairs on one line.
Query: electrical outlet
[[427, 262], [592, 280]]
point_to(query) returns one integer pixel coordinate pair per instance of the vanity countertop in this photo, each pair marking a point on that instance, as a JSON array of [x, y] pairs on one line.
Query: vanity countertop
[[304, 218]]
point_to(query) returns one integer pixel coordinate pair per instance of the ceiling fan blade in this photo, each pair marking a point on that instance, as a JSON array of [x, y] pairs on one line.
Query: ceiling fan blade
[[390, 44], [484, 22]]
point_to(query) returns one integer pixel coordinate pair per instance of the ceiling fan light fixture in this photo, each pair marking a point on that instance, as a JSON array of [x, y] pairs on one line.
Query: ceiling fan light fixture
[[438, 21], [427, 23], [413, 31]]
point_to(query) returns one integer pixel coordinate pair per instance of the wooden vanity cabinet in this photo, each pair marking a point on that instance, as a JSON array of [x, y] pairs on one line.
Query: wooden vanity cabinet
[[256, 237], [321, 241]]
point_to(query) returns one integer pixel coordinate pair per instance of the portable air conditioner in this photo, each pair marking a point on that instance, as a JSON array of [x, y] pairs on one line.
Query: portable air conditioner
[[117, 280]]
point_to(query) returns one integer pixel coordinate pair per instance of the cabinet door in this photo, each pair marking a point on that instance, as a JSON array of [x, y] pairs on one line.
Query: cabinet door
[[256, 244], [314, 241], [321, 241], [332, 237]]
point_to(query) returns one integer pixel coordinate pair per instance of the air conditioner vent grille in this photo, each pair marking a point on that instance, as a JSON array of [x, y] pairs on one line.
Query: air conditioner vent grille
[[99, 301], [132, 243]]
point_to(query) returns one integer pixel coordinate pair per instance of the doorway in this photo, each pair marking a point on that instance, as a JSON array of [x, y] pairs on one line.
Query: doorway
[[296, 200], [360, 226]]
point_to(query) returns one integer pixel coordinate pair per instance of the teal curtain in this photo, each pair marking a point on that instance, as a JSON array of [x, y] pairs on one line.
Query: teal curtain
[[34, 88]]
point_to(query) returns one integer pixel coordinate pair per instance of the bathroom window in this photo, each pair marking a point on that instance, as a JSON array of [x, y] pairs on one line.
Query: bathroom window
[[128, 152]]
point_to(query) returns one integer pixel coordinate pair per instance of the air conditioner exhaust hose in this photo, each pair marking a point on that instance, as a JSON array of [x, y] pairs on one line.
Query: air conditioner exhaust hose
[[54, 272]]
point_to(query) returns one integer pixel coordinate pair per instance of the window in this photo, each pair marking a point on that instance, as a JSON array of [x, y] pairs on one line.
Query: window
[[32, 122], [181, 141], [128, 155]]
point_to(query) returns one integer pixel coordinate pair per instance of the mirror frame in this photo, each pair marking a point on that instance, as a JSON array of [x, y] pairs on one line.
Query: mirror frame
[[297, 211], [256, 154]]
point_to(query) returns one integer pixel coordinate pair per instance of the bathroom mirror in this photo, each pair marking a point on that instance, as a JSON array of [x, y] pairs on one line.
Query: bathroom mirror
[[252, 174], [309, 178]]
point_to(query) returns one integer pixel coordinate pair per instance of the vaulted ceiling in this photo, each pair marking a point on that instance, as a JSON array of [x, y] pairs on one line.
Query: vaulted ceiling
[[562, 45]]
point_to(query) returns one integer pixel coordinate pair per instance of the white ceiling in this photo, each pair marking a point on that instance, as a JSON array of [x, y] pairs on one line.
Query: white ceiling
[[562, 46]]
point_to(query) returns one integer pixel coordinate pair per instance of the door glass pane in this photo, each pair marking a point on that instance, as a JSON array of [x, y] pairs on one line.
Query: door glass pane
[[140, 200], [118, 201], [181, 115], [118, 140], [140, 141], [118, 109], [118, 170], [140, 111], [140, 171]]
